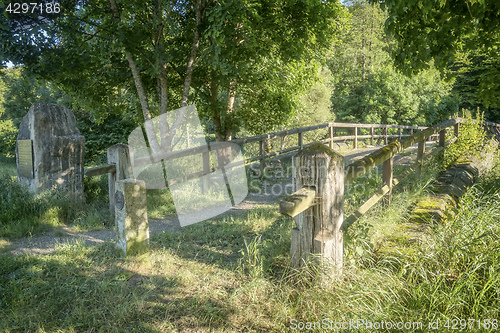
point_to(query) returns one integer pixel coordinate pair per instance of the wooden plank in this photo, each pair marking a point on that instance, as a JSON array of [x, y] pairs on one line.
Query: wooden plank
[[100, 170], [383, 191], [297, 202]]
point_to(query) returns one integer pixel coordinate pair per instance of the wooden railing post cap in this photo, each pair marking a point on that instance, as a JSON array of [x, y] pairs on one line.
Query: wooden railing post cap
[[317, 149]]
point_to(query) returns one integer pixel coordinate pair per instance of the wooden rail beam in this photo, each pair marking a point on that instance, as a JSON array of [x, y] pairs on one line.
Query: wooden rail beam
[[297, 202], [100, 170], [360, 167]]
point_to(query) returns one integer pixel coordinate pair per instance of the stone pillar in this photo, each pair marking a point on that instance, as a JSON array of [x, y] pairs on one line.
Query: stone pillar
[[50, 151], [131, 217]]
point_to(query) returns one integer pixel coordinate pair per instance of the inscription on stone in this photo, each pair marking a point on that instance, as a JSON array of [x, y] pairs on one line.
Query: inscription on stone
[[25, 151], [119, 200]]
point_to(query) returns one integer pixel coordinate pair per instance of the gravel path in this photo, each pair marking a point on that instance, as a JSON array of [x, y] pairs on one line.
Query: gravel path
[[49, 241]]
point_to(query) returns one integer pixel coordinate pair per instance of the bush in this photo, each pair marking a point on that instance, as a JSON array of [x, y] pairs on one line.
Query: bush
[[8, 134], [472, 141]]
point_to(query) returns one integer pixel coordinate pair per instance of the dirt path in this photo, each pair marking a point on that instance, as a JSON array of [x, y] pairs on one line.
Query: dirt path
[[49, 241]]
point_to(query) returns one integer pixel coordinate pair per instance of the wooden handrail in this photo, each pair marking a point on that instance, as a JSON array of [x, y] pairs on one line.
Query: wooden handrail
[[360, 167]]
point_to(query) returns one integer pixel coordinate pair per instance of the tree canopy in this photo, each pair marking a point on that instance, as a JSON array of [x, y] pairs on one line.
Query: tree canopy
[[245, 60], [439, 30]]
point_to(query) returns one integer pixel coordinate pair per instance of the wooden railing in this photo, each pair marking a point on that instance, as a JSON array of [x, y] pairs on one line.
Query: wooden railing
[[264, 154], [317, 207]]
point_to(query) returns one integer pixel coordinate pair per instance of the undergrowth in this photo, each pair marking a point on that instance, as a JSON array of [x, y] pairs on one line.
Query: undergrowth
[[232, 274]]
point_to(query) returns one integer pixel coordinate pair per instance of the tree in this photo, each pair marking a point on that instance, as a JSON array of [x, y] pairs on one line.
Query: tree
[[425, 30], [231, 55]]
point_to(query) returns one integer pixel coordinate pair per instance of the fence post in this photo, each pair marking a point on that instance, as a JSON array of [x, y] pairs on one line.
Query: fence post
[[262, 152], [399, 134], [331, 137], [442, 137], [456, 128], [371, 134], [420, 156], [318, 228], [387, 176], [283, 142], [355, 142], [300, 142], [411, 131], [119, 155], [385, 135], [206, 169]]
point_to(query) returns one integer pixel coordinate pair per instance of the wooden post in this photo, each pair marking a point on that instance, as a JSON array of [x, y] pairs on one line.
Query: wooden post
[[119, 155], [262, 152], [456, 128], [283, 142], [301, 142], [331, 137], [355, 142], [385, 135], [206, 169], [399, 134], [411, 131], [442, 138], [371, 134], [387, 176], [420, 156], [318, 228]]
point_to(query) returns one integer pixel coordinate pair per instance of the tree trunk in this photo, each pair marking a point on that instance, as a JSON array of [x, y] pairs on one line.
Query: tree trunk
[[192, 56]]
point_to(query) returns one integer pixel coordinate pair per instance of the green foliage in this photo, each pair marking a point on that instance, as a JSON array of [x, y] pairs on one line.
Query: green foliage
[[367, 87], [8, 135], [425, 31], [99, 136], [471, 142]]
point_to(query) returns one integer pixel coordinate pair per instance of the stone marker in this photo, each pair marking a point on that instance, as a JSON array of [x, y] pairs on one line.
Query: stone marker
[[50, 150], [131, 217]]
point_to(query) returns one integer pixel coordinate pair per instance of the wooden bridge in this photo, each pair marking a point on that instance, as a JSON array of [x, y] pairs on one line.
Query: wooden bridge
[[307, 205]]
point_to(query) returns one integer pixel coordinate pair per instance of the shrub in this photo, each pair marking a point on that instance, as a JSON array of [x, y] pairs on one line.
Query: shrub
[[8, 134], [472, 141]]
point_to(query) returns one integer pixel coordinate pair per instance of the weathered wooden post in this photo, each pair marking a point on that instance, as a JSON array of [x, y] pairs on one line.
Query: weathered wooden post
[[420, 157], [300, 140], [119, 155], [371, 135], [355, 142], [442, 138], [385, 135], [131, 217], [456, 128], [331, 137], [387, 176], [262, 152], [206, 169], [317, 207]]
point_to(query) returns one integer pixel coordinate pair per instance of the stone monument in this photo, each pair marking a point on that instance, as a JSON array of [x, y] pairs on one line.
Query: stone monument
[[50, 151]]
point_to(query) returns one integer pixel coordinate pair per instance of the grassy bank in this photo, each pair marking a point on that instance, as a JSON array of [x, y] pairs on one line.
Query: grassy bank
[[232, 274]]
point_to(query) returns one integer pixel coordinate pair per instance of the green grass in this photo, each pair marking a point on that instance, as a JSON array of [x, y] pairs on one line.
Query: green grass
[[232, 274], [23, 214]]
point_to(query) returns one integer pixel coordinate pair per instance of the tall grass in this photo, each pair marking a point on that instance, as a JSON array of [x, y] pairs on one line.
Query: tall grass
[[232, 274], [24, 214]]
